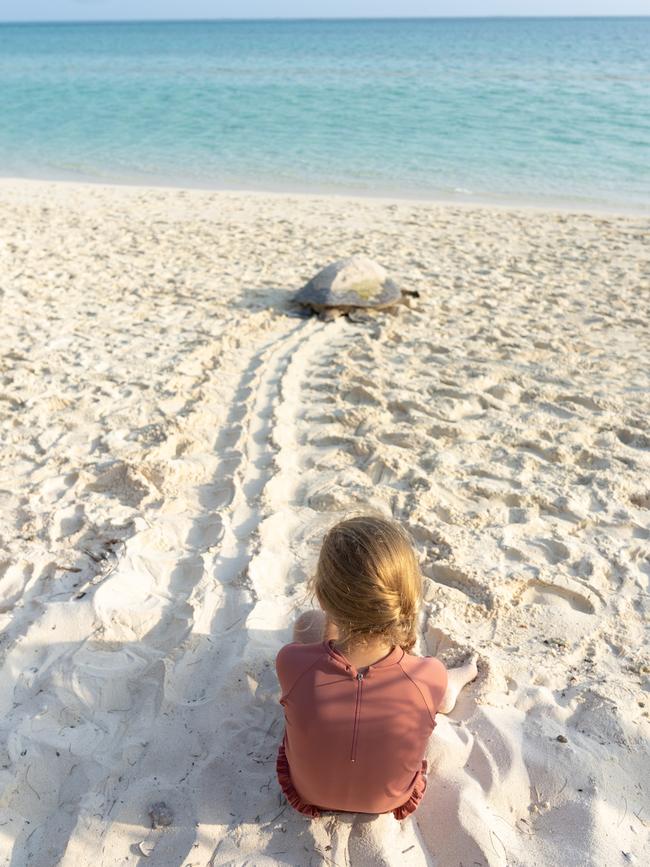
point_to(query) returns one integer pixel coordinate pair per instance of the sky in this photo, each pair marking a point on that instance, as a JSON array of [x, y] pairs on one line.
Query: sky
[[104, 10]]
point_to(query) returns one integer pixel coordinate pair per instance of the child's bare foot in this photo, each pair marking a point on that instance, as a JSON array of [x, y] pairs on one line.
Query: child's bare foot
[[457, 679]]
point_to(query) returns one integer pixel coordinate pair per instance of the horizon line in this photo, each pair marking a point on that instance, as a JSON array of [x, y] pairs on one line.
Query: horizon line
[[319, 18]]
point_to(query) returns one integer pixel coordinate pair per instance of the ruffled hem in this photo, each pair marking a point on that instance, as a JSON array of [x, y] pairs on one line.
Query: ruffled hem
[[284, 778], [292, 796], [417, 794]]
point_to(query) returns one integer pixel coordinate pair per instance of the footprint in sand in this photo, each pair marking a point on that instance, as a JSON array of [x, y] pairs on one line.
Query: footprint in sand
[[635, 439], [435, 349], [508, 392], [541, 593], [402, 409], [118, 479], [456, 579], [360, 395], [442, 432], [401, 439], [580, 400], [107, 679], [432, 540], [334, 440], [555, 552], [381, 473], [329, 499], [518, 516]]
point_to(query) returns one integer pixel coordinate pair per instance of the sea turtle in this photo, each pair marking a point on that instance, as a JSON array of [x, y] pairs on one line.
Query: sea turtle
[[355, 282]]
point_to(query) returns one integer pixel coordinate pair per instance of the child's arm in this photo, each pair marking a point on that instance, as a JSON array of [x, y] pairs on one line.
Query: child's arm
[[457, 678]]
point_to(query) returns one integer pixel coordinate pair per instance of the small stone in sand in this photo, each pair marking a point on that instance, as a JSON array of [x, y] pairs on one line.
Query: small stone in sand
[[161, 815], [561, 739]]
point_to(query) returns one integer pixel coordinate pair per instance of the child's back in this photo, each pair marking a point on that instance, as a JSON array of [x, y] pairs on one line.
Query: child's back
[[354, 741]]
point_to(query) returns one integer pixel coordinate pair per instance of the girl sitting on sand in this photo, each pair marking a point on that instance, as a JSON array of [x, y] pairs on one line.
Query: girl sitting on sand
[[359, 708]]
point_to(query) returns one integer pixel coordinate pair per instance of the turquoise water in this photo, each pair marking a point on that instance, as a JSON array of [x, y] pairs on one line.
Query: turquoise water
[[545, 111]]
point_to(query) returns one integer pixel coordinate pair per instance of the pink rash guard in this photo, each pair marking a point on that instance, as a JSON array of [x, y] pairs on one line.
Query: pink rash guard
[[354, 739]]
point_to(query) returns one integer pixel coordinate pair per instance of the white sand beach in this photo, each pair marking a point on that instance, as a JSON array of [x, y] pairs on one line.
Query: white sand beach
[[174, 444]]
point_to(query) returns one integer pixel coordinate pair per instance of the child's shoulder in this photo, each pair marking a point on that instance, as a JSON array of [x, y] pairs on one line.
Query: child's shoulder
[[294, 659], [430, 672], [428, 668], [296, 652], [298, 647]]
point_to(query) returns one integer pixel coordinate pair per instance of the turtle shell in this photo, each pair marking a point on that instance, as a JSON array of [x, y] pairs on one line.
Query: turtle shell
[[353, 282]]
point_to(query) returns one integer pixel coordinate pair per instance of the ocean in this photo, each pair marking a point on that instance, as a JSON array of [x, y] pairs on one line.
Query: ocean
[[546, 111]]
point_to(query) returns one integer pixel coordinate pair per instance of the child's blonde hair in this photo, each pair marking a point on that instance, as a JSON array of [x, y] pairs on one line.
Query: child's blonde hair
[[368, 581]]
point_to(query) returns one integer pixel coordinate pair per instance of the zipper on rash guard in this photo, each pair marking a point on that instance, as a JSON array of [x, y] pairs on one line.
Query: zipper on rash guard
[[353, 757]]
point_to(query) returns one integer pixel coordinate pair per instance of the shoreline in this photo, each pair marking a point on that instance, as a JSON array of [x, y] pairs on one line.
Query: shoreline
[[289, 19], [471, 204]]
